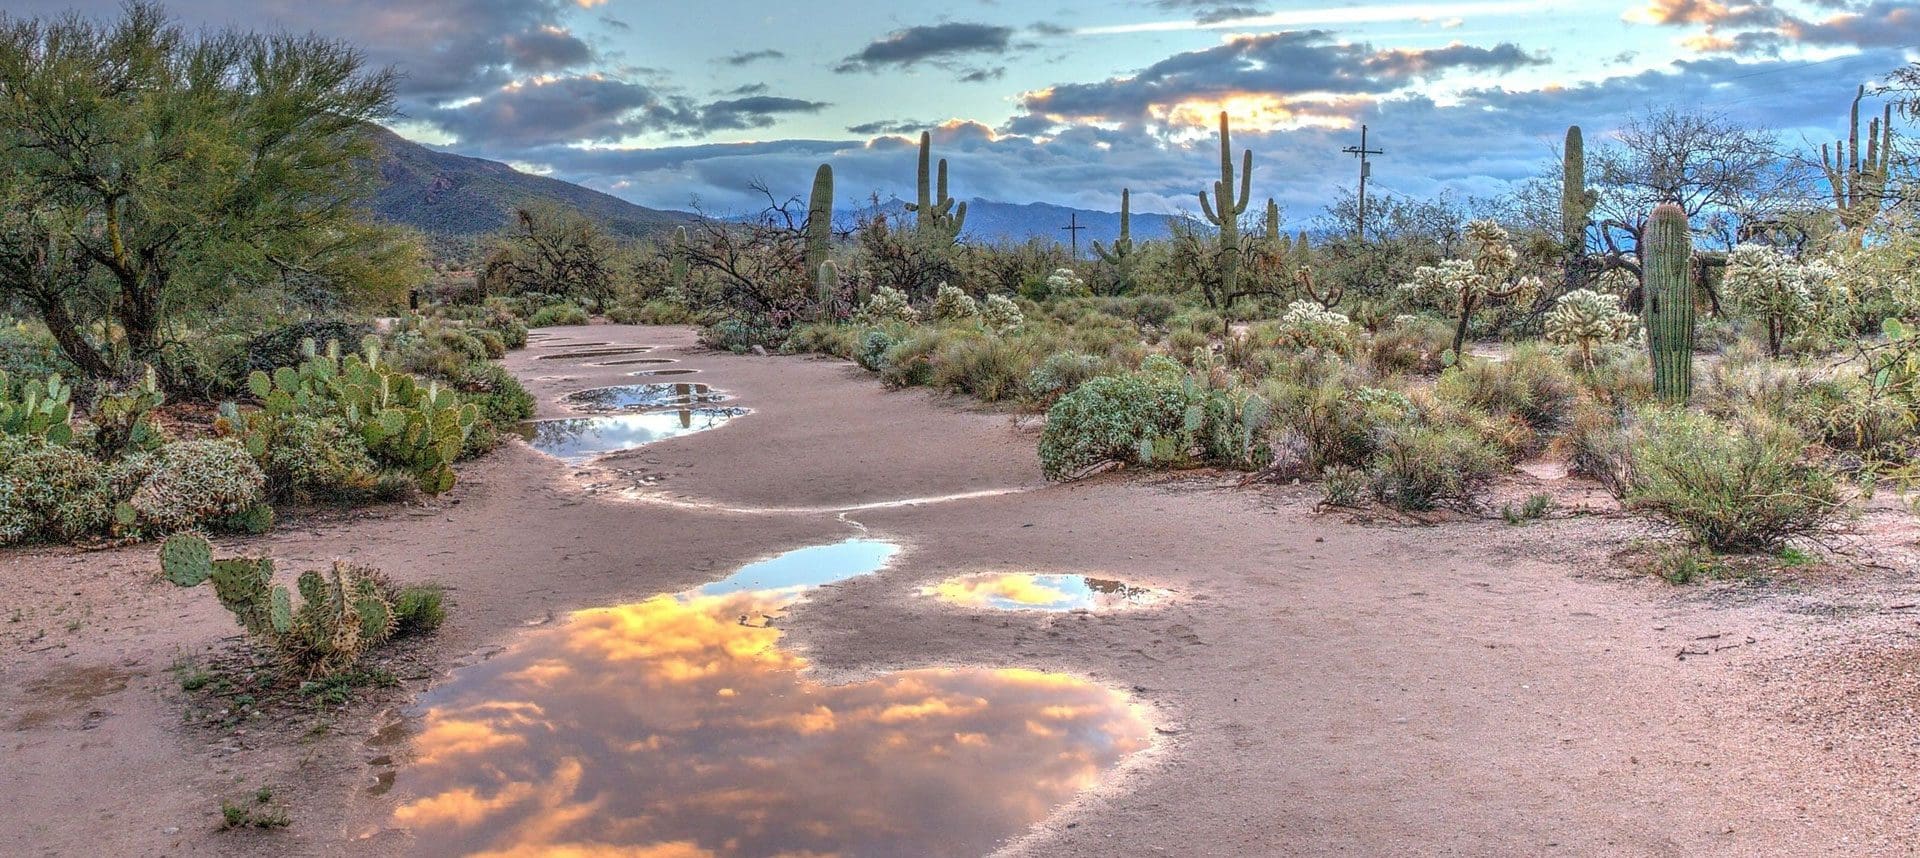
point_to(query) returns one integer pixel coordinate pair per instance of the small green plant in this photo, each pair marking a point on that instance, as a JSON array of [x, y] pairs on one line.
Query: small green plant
[[260, 812], [1682, 564], [558, 314], [1534, 507], [1342, 485], [1794, 558]]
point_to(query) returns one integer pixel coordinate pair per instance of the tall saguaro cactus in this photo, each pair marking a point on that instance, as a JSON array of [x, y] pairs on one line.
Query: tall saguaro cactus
[[1224, 210], [820, 218], [1576, 199], [935, 214], [1859, 181], [1121, 255], [678, 265], [1669, 302]]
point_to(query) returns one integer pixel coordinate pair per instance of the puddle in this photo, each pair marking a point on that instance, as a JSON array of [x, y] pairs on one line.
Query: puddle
[[645, 373], [577, 439], [632, 361], [590, 353], [1023, 591], [642, 397], [681, 726]]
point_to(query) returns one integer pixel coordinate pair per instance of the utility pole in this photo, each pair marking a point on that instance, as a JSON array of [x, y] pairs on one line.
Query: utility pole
[[1072, 230], [1366, 169]]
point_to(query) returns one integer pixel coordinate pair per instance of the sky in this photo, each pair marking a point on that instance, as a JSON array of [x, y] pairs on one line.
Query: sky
[[1067, 101]]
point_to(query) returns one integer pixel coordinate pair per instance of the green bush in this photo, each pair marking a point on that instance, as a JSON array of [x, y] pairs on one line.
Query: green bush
[[1337, 420], [987, 367], [317, 458], [655, 312], [1417, 467], [1061, 372], [1409, 345], [1128, 418], [554, 315], [1740, 485], [418, 609], [1532, 387], [873, 349], [842, 341], [909, 363], [196, 482]]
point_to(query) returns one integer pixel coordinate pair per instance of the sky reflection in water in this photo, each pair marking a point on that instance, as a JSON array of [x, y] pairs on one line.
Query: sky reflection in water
[[640, 397], [1025, 591], [577, 439], [678, 726]]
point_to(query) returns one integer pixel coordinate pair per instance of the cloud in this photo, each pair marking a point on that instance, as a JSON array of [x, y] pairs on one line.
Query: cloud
[[1209, 11], [1346, 14], [757, 111], [742, 58], [547, 48], [1764, 27], [915, 45], [588, 107], [1276, 66]]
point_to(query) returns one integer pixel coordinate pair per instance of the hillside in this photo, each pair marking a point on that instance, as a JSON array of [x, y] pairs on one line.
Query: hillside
[[456, 199]]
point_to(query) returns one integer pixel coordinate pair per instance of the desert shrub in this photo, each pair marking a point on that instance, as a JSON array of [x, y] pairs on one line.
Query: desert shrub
[[418, 609], [988, 367], [495, 345], [873, 349], [1419, 467], [195, 482], [886, 304], [952, 304], [1061, 372], [554, 315], [1531, 386], [1185, 340], [1131, 417], [317, 458], [909, 362], [1409, 344], [1342, 485], [512, 331], [824, 338], [1852, 412], [654, 312], [1739, 485], [286, 345], [50, 492], [1596, 447], [499, 396], [1337, 422], [1000, 313], [434, 349]]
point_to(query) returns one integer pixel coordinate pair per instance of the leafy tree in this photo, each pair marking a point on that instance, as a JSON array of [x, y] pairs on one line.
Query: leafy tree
[[149, 171]]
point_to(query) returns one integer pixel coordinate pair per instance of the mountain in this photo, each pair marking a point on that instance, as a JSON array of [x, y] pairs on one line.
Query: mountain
[[456, 199], [990, 222]]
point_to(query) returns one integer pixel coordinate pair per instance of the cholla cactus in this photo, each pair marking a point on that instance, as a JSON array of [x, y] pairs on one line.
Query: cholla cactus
[[1584, 319], [1462, 286], [1796, 300], [950, 304], [1066, 283], [887, 305], [1001, 313], [1306, 324], [1618, 282]]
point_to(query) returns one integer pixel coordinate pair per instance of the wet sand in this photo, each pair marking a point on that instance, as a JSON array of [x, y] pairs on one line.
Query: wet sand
[[1316, 685]]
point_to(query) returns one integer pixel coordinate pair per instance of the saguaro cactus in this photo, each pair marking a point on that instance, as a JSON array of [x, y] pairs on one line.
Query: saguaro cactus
[[1576, 199], [820, 218], [1860, 182], [827, 287], [935, 215], [1224, 210], [1669, 302], [1121, 255], [677, 265]]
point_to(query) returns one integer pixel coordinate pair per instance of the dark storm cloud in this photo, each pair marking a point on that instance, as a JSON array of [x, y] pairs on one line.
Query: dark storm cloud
[[1278, 64], [746, 57], [568, 109], [757, 111], [1209, 11], [547, 49], [928, 43]]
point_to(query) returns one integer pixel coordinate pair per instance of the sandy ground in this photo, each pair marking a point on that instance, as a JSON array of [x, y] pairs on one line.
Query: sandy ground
[[1320, 684]]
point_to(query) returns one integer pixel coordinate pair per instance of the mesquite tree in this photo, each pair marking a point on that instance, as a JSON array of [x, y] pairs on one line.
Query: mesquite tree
[[171, 169]]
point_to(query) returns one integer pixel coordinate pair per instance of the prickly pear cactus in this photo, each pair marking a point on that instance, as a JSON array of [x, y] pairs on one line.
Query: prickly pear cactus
[[186, 559], [37, 409]]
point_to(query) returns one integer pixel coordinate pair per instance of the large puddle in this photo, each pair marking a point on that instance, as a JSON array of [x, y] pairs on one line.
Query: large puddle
[[1023, 591], [577, 439], [644, 397], [679, 726], [592, 353]]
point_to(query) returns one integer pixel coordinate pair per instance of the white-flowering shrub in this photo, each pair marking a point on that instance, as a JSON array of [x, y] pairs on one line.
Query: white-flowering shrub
[[1586, 319], [1799, 302], [1001, 313], [1066, 283], [887, 304], [950, 304]]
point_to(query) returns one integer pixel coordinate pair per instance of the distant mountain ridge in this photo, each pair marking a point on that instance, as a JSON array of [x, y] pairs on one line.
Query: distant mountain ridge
[[989, 221], [457, 199]]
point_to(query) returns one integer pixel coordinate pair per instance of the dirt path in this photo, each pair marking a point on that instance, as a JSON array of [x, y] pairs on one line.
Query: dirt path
[[1317, 686]]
